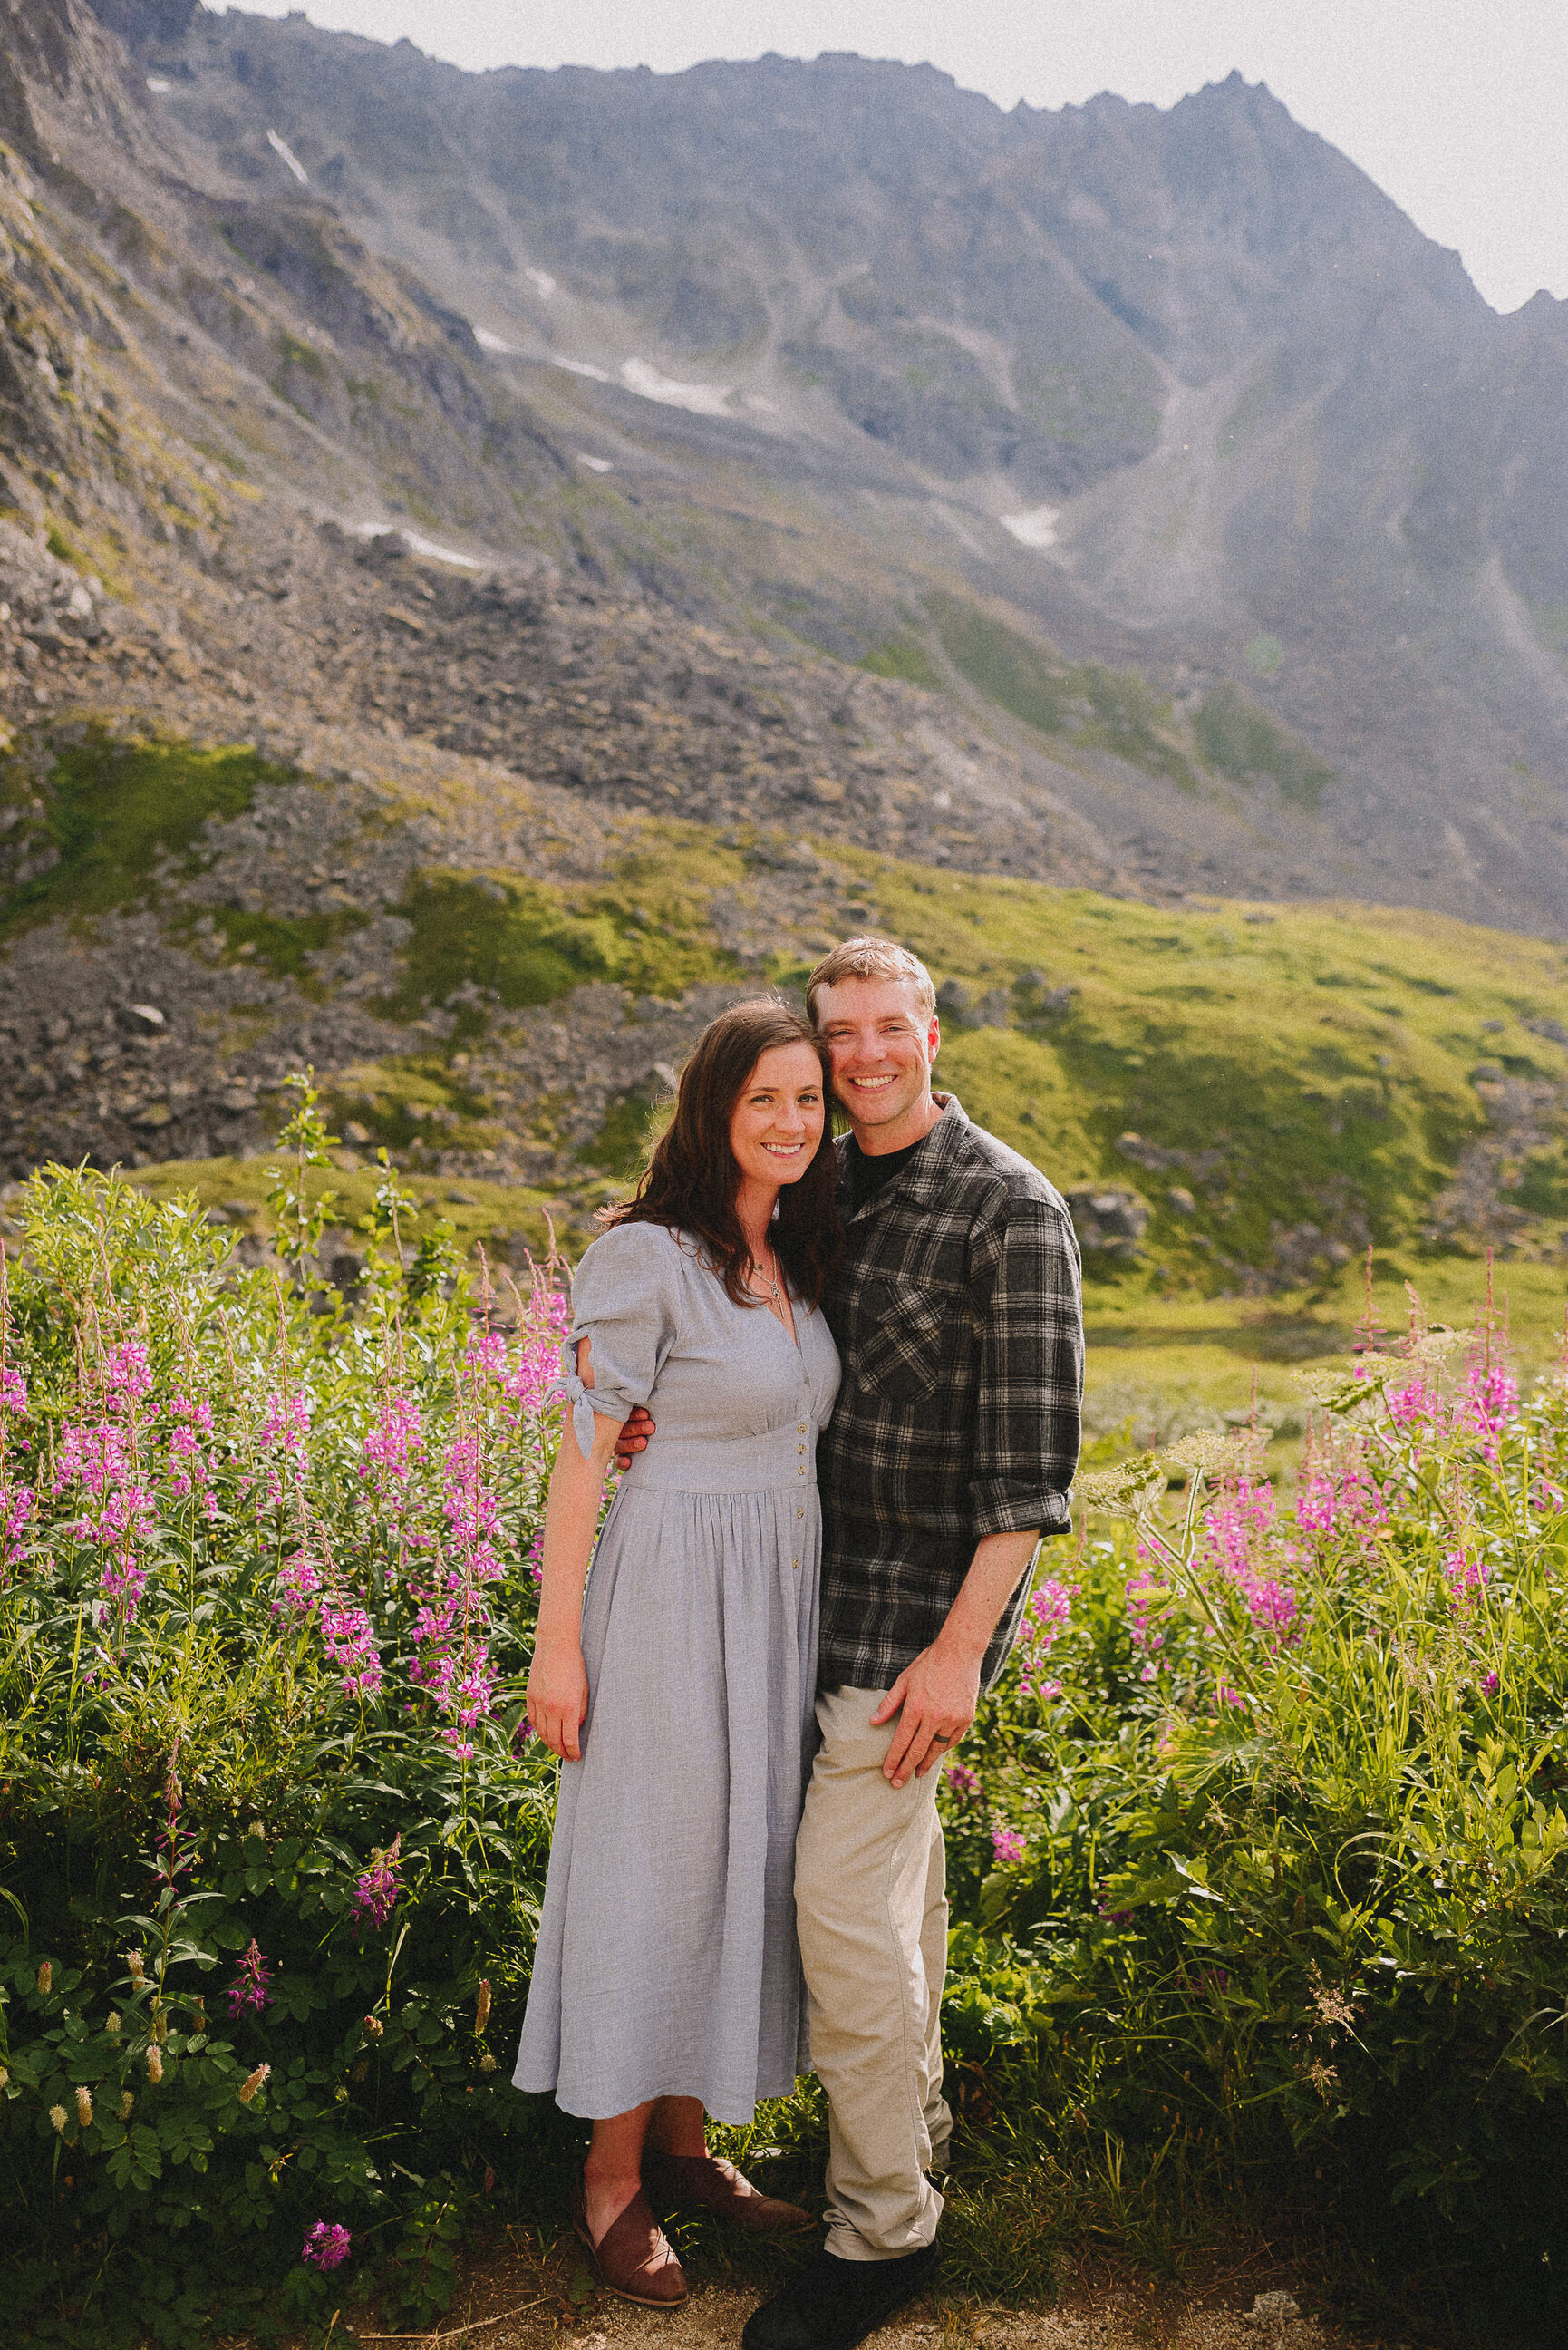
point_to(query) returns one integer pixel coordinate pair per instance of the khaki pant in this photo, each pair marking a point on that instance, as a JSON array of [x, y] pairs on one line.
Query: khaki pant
[[872, 1912]]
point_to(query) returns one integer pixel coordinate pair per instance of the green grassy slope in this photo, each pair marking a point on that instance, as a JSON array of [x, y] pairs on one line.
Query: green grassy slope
[[1253, 1073], [1308, 1063]]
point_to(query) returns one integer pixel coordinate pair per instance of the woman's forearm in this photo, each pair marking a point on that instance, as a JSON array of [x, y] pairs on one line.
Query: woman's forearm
[[571, 1516], [558, 1682]]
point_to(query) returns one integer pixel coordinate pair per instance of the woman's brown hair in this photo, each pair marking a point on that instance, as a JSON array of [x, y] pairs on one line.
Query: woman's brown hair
[[692, 1178]]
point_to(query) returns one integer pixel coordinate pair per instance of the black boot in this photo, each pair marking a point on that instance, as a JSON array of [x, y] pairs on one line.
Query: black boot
[[835, 2304]]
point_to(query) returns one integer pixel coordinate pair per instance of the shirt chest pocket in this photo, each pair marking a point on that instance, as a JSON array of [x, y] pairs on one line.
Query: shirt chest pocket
[[906, 1338]]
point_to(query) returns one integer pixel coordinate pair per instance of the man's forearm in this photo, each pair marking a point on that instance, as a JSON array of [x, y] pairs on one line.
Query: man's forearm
[[936, 1695], [999, 1563]]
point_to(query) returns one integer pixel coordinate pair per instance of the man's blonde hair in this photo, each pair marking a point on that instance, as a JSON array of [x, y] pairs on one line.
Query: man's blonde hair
[[870, 958]]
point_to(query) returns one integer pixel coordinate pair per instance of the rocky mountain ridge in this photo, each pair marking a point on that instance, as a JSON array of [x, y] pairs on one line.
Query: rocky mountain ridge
[[1178, 389]]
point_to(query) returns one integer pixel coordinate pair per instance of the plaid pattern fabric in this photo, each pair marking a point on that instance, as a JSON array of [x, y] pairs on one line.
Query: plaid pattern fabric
[[958, 1316]]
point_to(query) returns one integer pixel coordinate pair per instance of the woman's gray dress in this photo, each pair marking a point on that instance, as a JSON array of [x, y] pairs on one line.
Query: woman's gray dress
[[667, 1963]]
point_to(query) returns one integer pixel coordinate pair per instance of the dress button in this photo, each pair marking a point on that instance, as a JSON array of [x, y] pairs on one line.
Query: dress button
[[800, 1430]]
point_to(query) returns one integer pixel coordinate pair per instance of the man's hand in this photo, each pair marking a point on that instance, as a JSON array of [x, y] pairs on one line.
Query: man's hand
[[558, 1697], [633, 1435], [935, 1698]]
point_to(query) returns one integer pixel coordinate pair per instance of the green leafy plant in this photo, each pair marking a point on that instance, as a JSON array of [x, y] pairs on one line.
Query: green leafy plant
[[1262, 1854], [271, 1827]]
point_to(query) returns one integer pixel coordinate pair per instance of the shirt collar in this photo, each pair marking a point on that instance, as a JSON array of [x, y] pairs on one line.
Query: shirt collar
[[923, 1177]]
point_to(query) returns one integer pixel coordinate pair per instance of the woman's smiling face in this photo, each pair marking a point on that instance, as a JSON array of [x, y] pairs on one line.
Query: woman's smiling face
[[776, 1125]]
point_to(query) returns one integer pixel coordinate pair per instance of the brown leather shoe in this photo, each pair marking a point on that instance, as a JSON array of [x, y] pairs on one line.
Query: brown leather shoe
[[719, 2188], [633, 2255]]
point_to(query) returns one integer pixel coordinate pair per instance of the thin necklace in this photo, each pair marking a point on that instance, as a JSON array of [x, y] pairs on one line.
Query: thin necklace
[[770, 1283]]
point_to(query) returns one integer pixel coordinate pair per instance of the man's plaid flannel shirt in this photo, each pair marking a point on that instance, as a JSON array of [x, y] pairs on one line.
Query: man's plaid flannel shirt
[[958, 1318]]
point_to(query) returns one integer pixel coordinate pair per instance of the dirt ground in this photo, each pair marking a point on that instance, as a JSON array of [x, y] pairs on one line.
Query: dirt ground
[[517, 2304]]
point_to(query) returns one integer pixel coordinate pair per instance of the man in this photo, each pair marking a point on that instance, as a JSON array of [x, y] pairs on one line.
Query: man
[[951, 1450]]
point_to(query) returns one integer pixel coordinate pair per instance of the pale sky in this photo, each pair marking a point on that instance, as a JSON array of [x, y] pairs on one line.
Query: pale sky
[[1457, 109]]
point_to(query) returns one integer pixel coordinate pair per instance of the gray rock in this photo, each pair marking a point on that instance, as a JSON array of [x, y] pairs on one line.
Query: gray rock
[[1108, 1221]]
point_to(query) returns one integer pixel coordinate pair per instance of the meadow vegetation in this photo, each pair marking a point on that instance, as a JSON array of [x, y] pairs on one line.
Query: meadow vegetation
[[1257, 1850], [109, 811]]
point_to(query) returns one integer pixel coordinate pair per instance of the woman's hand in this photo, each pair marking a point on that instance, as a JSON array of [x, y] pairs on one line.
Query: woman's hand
[[558, 1696]]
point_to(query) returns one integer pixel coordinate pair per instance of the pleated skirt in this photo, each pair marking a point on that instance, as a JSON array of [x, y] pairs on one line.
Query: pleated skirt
[[667, 1962]]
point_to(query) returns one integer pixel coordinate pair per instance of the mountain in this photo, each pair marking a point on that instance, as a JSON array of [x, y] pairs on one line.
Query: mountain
[[1254, 432], [493, 566]]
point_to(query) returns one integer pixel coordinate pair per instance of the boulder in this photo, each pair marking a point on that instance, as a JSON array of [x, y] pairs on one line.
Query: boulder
[[1108, 1222]]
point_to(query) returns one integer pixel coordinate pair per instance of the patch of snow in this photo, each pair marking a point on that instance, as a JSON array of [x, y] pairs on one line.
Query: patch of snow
[[581, 367], [542, 280], [701, 399], [158, 85], [418, 546], [281, 147], [488, 341], [595, 464], [1035, 528]]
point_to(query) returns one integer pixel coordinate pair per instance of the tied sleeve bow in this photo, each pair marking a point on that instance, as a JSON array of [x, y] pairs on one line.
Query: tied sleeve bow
[[571, 1387]]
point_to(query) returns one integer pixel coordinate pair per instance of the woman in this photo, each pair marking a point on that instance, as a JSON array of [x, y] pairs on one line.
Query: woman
[[679, 1697]]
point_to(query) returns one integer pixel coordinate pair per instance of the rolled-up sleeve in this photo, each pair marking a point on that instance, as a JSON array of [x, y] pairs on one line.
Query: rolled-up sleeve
[[624, 1304], [1026, 1291]]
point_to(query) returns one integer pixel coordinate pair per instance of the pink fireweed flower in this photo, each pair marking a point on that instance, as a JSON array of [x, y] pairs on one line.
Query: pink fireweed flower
[[1490, 1405], [248, 1993], [487, 1352], [1048, 1612], [1410, 1405], [119, 1512], [1489, 1686], [1314, 1505], [190, 1466], [1225, 1695], [13, 1390], [286, 1424], [1238, 1525], [393, 1445], [472, 1511], [1140, 1625], [534, 1378], [452, 1625], [93, 1456], [298, 1587], [15, 1509], [964, 1783], [325, 2247], [351, 1643], [1272, 1606], [1343, 1500], [127, 1375], [376, 1891], [1007, 1845], [1239, 1543], [1465, 1576], [286, 1420]]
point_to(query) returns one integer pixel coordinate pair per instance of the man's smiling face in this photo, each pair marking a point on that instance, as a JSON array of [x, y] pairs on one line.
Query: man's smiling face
[[882, 1043]]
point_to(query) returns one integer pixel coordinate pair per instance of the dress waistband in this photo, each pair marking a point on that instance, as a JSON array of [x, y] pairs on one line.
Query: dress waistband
[[782, 1459]]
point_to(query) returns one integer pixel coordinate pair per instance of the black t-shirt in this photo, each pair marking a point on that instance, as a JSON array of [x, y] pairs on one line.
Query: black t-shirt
[[866, 1176]]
